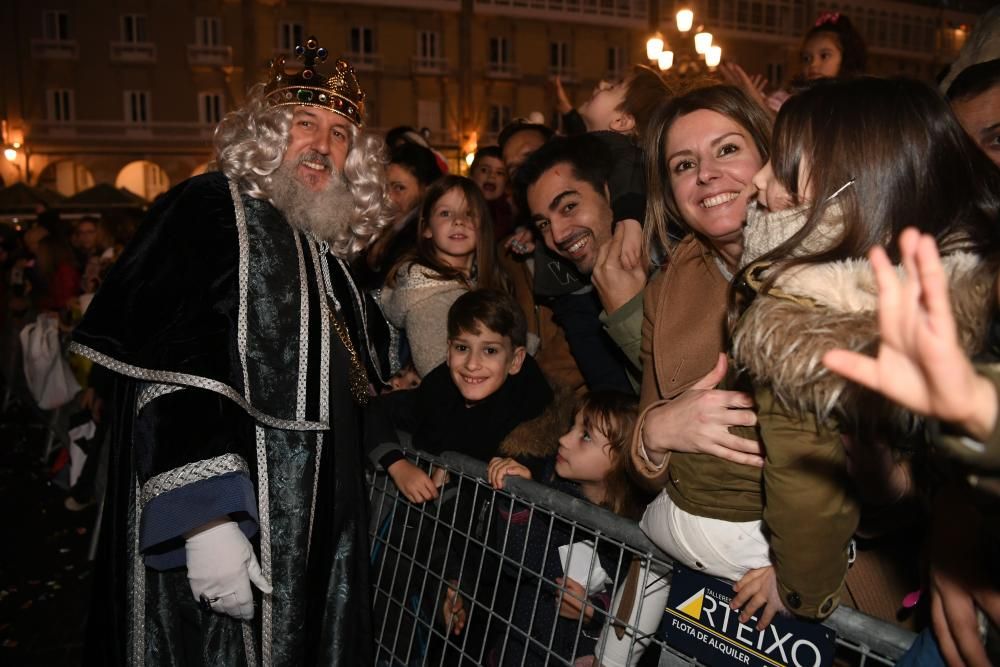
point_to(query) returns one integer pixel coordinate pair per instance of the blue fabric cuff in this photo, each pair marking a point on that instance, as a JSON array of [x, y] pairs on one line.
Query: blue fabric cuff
[[169, 515]]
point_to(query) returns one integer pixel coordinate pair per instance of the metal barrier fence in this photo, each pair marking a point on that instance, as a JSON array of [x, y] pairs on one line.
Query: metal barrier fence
[[473, 578]]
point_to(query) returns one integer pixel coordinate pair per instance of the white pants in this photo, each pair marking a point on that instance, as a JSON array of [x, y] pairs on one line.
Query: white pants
[[726, 549]]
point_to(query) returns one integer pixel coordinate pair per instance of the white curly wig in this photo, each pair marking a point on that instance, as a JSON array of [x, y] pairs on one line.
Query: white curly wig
[[250, 143]]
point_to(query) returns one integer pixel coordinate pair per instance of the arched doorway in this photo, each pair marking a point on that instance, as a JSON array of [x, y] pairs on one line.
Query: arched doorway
[[66, 177], [143, 178]]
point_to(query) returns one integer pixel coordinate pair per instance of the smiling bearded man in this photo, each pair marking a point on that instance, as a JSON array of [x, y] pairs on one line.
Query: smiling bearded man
[[235, 530]]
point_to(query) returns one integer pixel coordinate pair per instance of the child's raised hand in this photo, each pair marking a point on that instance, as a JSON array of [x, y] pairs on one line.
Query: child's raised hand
[[453, 610], [501, 467], [758, 588], [574, 600], [412, 482], [631, 252], [920, 363]]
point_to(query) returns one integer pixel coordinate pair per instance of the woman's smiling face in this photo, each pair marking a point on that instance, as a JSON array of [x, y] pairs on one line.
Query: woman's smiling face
[[711, 160]]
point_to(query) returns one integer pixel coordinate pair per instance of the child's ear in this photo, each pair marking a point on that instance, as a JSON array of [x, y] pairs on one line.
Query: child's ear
[[623, 123], [517, 360], [427, 232]]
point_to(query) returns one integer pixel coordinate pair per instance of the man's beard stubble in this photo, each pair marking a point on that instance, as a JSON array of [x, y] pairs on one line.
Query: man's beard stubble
[[325, 214]]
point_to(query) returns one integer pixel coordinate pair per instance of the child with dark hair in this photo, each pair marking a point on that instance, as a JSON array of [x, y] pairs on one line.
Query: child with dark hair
[[974, 96], [486, 387], [591, 463], [488, 172], [833, 49]]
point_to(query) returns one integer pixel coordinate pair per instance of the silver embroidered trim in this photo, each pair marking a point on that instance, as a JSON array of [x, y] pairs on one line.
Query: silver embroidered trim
[[189, 473], [244, 277], [322, 270], [152, 391], [248, 644], [300, 390], [264, 514], [138, 590], [170, 377]]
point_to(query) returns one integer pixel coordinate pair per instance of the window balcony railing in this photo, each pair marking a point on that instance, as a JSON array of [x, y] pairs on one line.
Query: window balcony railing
[[133, 52], [55, 49], [364, 62], [504, 70], [199, 54], [426, 65]]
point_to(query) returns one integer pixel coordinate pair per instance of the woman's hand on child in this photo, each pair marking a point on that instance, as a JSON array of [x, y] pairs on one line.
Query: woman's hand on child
[[412, 482], [453, 609], [499, 468], [698, 421], [758, 588], [574, 600], [920, 362]]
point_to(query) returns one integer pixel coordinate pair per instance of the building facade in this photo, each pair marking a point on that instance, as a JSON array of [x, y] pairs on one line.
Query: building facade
[[129, 92]]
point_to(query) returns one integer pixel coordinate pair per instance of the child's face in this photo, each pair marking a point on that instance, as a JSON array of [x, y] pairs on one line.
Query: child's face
[[773, 195], [453, 229], [603, 108], [821, 57], [584, 453], [480, 362], [404, 189], [491, 177]]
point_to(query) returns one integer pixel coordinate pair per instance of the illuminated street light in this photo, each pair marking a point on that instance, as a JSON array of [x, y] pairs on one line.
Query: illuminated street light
[[666, 60], [685, 19], [10, 154], [702, 42], [713, 56], [654, 46]]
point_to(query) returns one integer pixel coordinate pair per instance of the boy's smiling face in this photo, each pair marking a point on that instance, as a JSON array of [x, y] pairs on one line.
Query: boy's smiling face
[[480, 362]]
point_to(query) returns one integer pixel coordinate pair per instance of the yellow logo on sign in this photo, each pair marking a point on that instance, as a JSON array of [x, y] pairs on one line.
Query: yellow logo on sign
[[692, 606]]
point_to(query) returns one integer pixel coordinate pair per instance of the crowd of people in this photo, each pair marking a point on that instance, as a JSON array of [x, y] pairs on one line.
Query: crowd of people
[[760, 322]]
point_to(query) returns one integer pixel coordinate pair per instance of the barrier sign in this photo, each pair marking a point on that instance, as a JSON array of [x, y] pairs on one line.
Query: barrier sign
[[699, 622]]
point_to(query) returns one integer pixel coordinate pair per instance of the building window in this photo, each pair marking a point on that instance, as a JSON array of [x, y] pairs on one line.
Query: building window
[[59, 105], [362, 41], [137, 107], [499, 117], [134, 28], [500, 53], [210, 108], [559, 59], [208, 31], [429, 45], [289, 35], [55, 25], [616, 62], [775, 74]]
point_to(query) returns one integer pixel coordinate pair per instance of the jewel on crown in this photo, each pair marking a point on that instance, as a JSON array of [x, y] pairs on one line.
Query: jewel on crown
[[340, 93]]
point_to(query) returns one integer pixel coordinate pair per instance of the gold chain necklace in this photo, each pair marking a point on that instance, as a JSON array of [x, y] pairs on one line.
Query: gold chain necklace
[[357, 376]]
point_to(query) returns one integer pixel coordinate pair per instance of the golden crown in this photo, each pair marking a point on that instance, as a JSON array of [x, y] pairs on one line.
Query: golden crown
[[340, 93]]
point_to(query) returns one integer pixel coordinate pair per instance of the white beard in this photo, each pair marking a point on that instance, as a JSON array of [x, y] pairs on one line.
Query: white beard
[[325, 214]]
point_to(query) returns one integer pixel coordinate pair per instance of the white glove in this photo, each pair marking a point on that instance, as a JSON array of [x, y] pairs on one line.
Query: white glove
[[221, 564]]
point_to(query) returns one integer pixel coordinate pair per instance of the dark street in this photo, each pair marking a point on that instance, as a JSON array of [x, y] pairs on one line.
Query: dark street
[[44, 571]]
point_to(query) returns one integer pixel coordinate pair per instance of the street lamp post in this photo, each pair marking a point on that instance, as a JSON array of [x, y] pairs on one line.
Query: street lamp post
[[684, 57]]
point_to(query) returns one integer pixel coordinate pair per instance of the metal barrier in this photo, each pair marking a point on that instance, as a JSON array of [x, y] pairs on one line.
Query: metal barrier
[[486, 562]]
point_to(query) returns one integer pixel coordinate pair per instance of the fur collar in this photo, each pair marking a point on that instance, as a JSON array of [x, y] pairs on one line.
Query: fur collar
[[781, 338]]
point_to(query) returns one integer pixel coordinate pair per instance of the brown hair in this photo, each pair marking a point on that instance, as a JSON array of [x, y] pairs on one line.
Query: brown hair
[[614, 414], [909, 163], [730, 101], [489, 308], [486, 269], [645, 91]]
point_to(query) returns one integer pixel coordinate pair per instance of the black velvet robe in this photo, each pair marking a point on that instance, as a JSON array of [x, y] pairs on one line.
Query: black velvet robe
[[217, 321]]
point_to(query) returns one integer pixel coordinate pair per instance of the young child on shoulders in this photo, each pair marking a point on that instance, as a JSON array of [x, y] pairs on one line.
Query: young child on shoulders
[[455, 253], [591, 464], [487, 386]]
